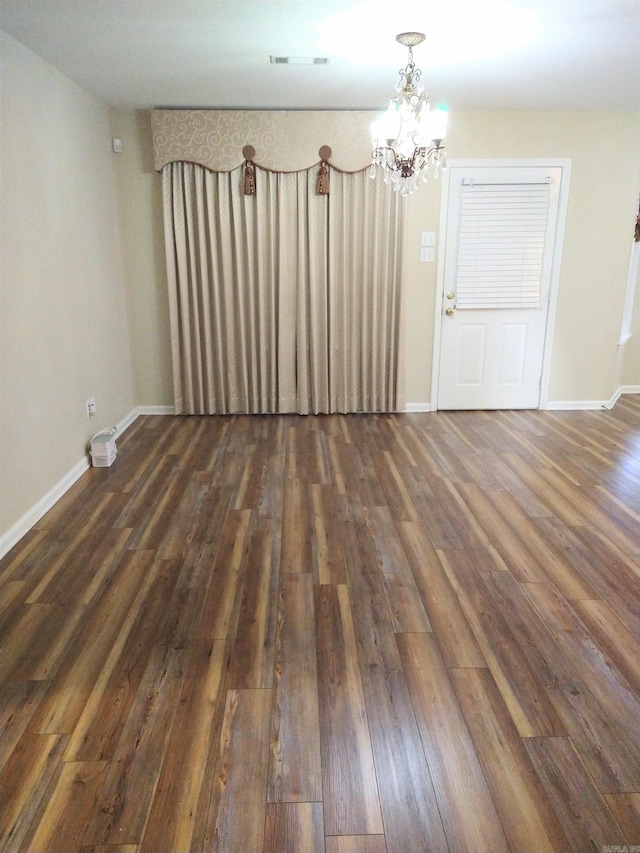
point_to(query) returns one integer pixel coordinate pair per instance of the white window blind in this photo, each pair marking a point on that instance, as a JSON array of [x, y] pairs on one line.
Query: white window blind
[[502, 231]]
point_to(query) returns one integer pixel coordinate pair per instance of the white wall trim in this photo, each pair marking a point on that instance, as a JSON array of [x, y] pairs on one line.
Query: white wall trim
[[576, 405], [155, 410], [24, 524], [418, 407], [586, 405]]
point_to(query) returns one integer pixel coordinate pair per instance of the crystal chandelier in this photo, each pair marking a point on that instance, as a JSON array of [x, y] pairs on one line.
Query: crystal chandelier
[[407, 139]]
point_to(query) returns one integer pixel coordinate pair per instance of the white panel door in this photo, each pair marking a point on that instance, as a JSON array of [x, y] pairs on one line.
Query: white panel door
[[499, 246]]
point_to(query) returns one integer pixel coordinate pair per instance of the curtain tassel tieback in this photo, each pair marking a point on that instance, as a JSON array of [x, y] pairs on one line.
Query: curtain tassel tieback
[[323, 180], [249, 178], [322, 187]]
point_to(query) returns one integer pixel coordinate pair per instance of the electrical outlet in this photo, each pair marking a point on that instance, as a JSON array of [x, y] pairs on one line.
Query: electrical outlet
[[91, 407]]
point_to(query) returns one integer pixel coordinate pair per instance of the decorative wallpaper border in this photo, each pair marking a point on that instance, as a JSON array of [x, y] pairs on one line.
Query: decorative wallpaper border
[[284, 140]]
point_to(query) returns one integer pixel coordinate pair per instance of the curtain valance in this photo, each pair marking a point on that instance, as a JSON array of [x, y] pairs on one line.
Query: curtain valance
[[283, 140]]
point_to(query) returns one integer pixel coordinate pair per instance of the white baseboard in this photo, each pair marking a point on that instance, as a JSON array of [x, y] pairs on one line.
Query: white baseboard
[[577, 405], [586, 405], [24, 524], [155, 410], [418, 407]]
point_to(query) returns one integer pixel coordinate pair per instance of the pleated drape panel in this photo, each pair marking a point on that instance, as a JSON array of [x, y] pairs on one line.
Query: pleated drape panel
[[285, 301]]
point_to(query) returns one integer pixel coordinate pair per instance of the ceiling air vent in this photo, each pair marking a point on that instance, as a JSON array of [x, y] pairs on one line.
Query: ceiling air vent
[[299, 60]]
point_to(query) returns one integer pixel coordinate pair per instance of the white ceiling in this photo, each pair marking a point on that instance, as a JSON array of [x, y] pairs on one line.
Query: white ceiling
[[479, 54]]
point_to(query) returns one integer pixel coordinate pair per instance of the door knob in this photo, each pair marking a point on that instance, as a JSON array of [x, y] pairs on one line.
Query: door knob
[[450, 295], [449, 312]]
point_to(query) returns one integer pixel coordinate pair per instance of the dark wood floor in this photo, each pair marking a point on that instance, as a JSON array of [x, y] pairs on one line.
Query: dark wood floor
[[349, 634]]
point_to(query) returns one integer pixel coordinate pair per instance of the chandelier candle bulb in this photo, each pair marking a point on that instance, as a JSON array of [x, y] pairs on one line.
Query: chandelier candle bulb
[[407, 138]]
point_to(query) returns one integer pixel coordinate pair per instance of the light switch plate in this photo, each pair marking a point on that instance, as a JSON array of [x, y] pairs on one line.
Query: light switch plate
[[428, 238], [426, 254]]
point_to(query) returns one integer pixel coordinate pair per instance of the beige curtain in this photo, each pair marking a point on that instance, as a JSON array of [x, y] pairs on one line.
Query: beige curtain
[[285, 301]]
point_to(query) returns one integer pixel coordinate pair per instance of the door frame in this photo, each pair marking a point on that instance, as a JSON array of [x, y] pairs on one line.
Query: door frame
[[564, 164]]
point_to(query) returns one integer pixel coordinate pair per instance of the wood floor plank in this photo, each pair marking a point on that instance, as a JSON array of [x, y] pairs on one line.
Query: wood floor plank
[[519, 685], [363, 576], [625, 568], [181, 801], [203, 550], [295, 773], [587, 723], [400, 589], [13, 598], [455, 637], [593, 667], [471, 535], [326, 543], [615, 506], [42, 637], [294, 826], [470, 819], [612, 639], [585, 817], [207, 445], [22, 554], [526, 814], [151, 483], [590, 504], [69, 806], [254, 650], [393, 430], [423, 628], [61, 708], [626, 808], [250, 479], [424, 461], [153, 527], [557, 504], [409, 809], [355, 844], [359, 473], [434, 509], [237, 814], [350, 792], [99, 727], [224, 594], [397, 496], [609, 586], [447, 460], [24, 781], [125, 799], [296, 553], [19, 700], [184, 519], [306, 454], [522, 563], [551, 560]]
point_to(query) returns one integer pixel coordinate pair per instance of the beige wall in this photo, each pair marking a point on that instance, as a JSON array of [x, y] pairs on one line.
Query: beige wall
[[142, 242], [63, 314], [83, 300], [603, 148], [586, 361]]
